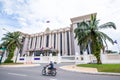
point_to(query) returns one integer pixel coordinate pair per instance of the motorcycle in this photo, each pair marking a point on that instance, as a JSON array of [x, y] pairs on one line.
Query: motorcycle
[[46, 71]]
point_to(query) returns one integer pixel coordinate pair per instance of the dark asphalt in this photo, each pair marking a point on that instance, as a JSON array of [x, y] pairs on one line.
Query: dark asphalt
[[34, 73]]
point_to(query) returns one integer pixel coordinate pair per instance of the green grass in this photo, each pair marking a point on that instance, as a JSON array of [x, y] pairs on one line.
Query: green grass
[[103, 67]]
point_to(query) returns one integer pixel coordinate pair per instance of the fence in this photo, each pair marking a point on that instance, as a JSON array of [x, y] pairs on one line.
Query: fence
[[78, 59], [110, 58]]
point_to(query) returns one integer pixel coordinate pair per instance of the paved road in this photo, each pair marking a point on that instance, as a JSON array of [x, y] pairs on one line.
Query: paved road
[[34, 73]]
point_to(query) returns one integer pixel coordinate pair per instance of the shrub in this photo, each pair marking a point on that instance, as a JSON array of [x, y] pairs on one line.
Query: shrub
[[8, 61]]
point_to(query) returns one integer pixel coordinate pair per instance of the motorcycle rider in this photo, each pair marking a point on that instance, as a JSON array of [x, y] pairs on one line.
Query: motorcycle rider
[[50, 66], [49, 69]]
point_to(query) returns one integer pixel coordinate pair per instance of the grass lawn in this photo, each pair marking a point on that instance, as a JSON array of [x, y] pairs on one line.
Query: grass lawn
[[103, 67]]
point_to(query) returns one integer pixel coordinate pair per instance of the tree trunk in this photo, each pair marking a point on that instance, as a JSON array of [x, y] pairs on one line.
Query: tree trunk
[[10, 55], [98, 59], [96, 49], [17, 55]]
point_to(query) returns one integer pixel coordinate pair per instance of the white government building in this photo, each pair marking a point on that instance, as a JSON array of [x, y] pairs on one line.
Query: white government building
[[59, 46]]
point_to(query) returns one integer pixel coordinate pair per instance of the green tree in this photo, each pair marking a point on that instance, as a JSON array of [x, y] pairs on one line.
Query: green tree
[[88, 32], [11, 40]]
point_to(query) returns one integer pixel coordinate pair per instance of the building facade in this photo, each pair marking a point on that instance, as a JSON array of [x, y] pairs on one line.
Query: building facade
[[61, 40]]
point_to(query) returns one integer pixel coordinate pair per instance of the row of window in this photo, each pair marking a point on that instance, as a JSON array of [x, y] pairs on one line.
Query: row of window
[[54, 44]]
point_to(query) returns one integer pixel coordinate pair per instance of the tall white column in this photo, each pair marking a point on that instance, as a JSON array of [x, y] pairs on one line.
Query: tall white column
[[66, 52], [29, 44], [41, 41], [77, 48], [44, 40], [63, 43], [25, 45], [69, 43], [52, 40], [58, 42]]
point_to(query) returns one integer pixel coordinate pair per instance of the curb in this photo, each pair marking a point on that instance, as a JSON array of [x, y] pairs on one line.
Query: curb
[[20, 65], [87, 72]]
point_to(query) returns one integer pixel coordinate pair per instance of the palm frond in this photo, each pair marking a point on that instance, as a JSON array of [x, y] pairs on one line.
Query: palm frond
[[105, 37], [12, 39], [83, 25], [107, 25]]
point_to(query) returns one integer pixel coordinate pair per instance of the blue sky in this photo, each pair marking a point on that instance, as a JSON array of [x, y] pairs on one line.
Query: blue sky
[[30, 16]]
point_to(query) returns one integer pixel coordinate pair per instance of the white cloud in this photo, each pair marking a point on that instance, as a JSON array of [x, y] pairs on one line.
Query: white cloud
[[33, 14]]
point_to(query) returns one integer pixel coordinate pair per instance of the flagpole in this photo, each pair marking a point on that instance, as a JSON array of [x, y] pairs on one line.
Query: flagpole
[[117, 46]]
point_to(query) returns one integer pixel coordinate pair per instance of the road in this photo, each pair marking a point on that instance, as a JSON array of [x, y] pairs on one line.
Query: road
[[34, 73]]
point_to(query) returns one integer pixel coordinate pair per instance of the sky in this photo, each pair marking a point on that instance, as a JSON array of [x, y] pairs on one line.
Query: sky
[[30, 16]]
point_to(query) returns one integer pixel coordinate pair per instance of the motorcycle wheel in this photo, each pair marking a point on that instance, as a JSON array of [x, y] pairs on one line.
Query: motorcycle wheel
[[43, 72], [53, 72]]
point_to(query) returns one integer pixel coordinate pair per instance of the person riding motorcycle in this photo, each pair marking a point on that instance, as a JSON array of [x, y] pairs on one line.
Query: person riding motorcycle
[[49, 69], [51, 65]]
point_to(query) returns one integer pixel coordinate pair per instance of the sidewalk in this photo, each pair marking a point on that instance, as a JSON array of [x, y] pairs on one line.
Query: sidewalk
[[20, 65], [86, 70]]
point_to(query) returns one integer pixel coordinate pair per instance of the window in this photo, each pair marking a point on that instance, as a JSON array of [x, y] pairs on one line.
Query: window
[[88, 22], [40, 41], [31, 43], [47, 40], [23, 39], [54, 40], [78, 24], [61, 43], [35, 42], [68, 45]]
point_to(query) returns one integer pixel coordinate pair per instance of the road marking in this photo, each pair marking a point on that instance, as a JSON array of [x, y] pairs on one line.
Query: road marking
[[17, 74], [53, 79]]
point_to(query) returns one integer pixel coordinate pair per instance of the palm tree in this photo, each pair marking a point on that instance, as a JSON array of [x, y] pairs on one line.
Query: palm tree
[[89, 33], [11, 40]]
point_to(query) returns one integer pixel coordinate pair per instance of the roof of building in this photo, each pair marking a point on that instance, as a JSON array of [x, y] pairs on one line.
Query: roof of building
[[81, 18]]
